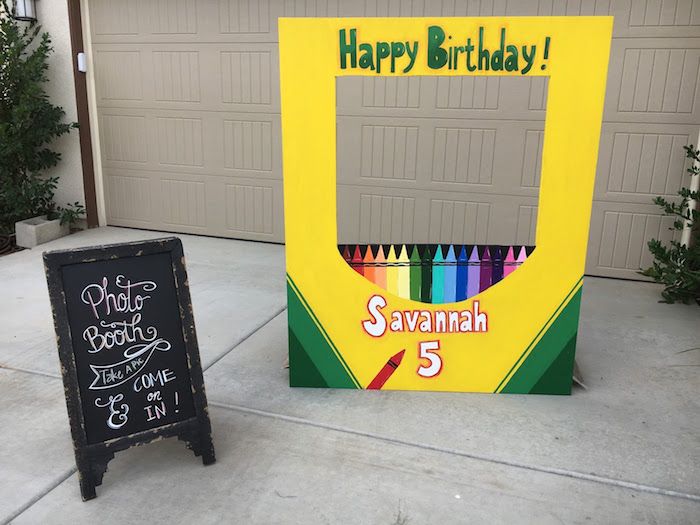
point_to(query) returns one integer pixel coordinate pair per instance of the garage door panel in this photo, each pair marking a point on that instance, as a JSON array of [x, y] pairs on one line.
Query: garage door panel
[[246, 19], [480, 156], [654, 80], [119, 74], [373, 215], [107, 21], [632, 16], [249, 209], [176, 75], [533, 142], [465, 219], [452, 218], [157, 200], [434, 97], [249, 77], [153, 140], [619, 235], [680, 18], [383, 151], [387, 8], [219, 144], [356, 93], [558, 7], [184, 202], [463, 155], [187, 21], [196, 77], [638, 162], [526, 228], [467, 93], [200, 204], [129, 199], [251, 145], [180, 141], [137, 19], [256, 20], [426, 8], [124, 139], [156, 21], [667, 18]]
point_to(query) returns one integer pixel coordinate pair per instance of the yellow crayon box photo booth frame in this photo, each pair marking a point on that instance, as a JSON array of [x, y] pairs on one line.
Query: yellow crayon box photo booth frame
[[517, 336]]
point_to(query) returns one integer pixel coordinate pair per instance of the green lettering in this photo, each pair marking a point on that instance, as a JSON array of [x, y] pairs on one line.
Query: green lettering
[[497, 56], [348, 48], [366, 56], [412, 54], [383, 51], [512, 58], [397, 50], [529, 58], [483, 53], [470, 48], [437, 56]]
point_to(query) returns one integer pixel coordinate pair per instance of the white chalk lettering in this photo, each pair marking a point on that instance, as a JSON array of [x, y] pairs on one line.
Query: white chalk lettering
[[150, 380], [117, 414], [118, 333], [155, 411], [125, 301]]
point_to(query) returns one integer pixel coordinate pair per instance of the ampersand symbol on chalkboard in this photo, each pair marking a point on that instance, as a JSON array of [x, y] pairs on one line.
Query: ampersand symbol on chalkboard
[[117, 416]]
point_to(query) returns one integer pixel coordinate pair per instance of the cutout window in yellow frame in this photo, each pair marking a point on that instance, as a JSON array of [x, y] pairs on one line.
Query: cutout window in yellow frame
[[437, 180]]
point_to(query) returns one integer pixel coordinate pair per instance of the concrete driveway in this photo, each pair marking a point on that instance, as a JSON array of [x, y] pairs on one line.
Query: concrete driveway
[[625, 450]]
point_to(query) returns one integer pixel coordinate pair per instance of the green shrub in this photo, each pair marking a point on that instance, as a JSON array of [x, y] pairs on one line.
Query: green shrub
[[71, 213], [29, 123], [677, 266]]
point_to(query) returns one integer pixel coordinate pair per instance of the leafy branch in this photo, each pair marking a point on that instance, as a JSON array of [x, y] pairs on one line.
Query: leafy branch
[[677, 265], [29, 123]]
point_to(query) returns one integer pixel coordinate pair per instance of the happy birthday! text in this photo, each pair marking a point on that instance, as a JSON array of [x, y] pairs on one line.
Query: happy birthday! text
[[469, 53]]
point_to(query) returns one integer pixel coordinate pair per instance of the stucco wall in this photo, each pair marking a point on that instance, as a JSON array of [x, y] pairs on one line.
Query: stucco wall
[[53, 17]]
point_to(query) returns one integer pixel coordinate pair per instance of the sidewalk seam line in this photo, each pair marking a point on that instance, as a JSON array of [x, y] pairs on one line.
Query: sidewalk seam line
[[603, 480], [28, 371], [245, 338], [38, 497]]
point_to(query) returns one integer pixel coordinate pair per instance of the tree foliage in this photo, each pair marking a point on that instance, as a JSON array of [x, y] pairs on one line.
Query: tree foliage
[[677, 266], [29, 123]]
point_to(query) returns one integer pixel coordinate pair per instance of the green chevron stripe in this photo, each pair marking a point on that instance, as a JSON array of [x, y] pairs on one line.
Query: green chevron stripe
[[314, 361], [548, 368]]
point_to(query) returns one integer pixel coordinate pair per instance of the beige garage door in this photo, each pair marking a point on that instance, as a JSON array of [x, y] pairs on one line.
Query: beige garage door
[[439, 160], [188, 106]]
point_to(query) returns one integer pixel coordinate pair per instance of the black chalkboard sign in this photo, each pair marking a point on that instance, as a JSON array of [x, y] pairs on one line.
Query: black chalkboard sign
[[128, 351]]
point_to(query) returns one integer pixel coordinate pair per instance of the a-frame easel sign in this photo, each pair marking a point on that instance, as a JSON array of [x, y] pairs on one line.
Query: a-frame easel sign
[[128, 350]]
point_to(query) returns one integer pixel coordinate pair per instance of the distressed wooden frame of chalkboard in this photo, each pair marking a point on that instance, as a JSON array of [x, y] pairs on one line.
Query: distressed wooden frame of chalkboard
[[92, 459]]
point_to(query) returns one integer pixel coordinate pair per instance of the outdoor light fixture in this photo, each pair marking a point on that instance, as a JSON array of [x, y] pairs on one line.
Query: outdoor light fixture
[[25, 10]]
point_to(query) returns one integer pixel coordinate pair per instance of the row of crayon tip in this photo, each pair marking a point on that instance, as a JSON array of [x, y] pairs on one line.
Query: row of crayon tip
[[434, 273]]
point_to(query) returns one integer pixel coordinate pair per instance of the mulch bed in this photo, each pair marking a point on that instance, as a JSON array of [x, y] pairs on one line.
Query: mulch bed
[[7, 245]]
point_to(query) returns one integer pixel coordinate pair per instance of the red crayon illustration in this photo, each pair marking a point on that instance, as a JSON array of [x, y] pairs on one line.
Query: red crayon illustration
[[356, 262], [385, 373]]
